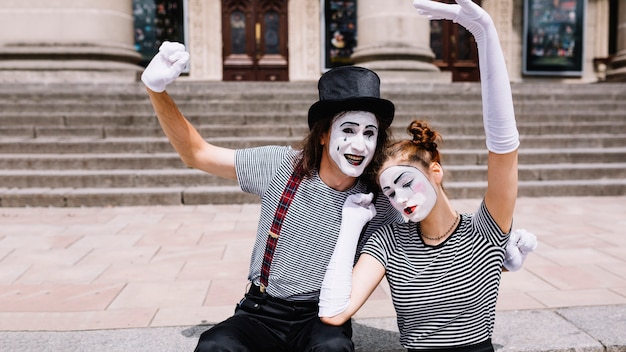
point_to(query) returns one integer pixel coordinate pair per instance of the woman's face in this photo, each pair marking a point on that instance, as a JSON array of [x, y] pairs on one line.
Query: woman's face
[[352, 144], [409, 191]]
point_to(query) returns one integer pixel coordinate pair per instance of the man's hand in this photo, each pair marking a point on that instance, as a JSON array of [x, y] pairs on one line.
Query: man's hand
[[166, 66], [358, 209]]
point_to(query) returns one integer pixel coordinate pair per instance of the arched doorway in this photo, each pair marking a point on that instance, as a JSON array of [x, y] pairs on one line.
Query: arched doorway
[[254, 37]]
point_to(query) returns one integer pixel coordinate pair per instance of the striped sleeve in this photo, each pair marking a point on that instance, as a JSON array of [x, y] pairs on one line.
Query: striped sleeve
[[256, 167], [381, 244], [488, 227]]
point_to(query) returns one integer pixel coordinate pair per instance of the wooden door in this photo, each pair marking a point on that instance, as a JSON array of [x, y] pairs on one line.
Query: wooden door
[[255, 40], [455, 49]]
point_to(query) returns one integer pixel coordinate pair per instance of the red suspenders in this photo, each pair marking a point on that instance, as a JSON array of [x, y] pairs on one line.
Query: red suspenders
[[272, 238]]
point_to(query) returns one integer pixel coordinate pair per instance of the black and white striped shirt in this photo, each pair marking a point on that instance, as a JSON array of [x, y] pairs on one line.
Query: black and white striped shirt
[[311, 227], [444, 295]]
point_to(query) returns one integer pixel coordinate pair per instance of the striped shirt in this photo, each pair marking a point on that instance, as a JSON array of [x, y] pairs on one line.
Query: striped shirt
[[444, 295], [310, 228]]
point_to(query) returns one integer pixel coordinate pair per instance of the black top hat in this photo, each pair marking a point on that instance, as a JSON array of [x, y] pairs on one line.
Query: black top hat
[[350, 88]]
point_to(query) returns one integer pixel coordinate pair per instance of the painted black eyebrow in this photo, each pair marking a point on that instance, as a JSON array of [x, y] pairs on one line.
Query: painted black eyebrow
[[356, 124], [399, 177]]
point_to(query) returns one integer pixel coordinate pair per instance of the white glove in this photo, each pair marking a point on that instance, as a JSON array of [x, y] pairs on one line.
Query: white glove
[[521, 242], [498, 114], [165, 66], [337, 285]]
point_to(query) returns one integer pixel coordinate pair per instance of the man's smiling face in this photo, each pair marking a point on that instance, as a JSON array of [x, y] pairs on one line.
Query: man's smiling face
[[353, 138]]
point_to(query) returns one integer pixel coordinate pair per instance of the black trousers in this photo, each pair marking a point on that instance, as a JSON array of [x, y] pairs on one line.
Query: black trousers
[[484, 346], [263, 323]]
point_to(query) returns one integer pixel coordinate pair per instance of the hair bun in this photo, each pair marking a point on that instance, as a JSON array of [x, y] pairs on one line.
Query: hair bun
[[423, 135]]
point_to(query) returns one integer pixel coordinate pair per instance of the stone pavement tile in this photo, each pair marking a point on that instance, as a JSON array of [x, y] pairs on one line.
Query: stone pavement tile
[[62, 274], [56, 216], [173, 339], [235, 270], [176, 237], [185, 216], [52, 257], [219, 235], [9, 273], [226, 292], [619, 290], [140, 272], [239, 250], [66, 321], [138, 227], [578, 256], [571, 240], [618, 252], [570, 277], [33, 240], [112, 241], [57, 297], [524, 280], [539, 330], [537, 259], [160, 295], [122, 255], [93, 229], [578, 298], [618, 240], [190, 316], [509, 300], [183, 254], [607, 324]]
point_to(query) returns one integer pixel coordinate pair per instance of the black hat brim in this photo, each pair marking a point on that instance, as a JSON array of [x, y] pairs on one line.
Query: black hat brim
[[325, 109]]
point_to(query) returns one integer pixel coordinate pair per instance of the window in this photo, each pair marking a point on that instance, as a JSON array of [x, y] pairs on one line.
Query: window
[[157, 21], [339, 32]]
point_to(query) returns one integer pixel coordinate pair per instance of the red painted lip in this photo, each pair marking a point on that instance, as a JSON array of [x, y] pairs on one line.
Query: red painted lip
[[409, 210]]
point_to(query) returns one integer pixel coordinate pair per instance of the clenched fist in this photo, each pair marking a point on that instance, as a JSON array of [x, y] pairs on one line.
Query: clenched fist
[[166, 66]]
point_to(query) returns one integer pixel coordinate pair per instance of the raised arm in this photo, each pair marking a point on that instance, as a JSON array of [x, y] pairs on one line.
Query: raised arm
[[342, 292], [498, 114], [194, 151]]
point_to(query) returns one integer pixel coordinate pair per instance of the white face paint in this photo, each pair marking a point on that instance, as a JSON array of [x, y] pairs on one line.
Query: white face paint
[[409, 191], [353, 138]]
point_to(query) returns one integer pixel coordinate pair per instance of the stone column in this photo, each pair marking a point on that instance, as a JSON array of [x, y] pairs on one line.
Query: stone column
[[394, 40], [67, 40], [617, 69], [304, 40]]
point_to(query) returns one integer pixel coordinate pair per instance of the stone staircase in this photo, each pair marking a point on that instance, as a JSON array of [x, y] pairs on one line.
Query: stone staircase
[[100, 145]]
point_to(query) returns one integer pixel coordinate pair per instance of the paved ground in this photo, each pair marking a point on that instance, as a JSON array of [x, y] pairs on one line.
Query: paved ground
[[153, 278]]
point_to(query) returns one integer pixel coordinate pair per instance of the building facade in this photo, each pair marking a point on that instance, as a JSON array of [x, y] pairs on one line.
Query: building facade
[[573, 41]]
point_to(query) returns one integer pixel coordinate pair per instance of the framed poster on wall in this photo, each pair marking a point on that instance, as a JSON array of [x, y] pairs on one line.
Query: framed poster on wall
[[157, 21], [339, 32], [554, 37]]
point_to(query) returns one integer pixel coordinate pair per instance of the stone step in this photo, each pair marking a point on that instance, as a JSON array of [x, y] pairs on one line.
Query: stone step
[[191, 89], [102, 197], [80, 178], [171, 160], [300, 108], [88, 145], [281, 130], [147, 178], [108, 119], [161, 144]]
